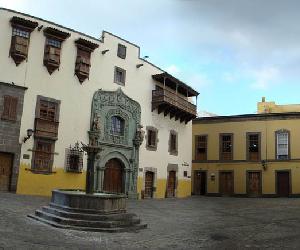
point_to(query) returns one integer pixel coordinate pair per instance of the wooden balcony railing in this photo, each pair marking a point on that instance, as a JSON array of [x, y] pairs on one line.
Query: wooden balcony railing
[[174, 104]]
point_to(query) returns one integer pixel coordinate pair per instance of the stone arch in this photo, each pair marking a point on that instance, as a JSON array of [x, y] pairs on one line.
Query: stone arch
[[101, 166]]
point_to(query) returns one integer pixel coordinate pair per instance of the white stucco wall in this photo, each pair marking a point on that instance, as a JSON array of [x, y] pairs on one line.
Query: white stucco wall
[[76, 98]]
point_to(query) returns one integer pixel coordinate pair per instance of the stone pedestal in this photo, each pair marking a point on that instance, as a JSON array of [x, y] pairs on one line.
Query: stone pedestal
[[74, 209]]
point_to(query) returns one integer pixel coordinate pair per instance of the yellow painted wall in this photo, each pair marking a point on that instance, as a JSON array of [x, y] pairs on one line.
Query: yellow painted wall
[[40, 184], [183, 188], [239, 129], [272, 107]]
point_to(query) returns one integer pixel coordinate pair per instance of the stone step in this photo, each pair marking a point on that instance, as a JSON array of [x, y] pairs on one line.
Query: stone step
[[87, 216], [92, 229], [88, 211], [86, 223]]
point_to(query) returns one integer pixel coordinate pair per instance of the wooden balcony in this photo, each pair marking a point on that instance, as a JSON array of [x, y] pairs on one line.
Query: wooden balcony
[[171, 103], [46, 129]]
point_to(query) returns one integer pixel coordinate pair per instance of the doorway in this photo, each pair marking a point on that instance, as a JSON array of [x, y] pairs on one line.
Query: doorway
[[254, 183], [113, 176], [226, 183], [149, 181], [200, 182], [171, 185], [6, 161], [283, 183]]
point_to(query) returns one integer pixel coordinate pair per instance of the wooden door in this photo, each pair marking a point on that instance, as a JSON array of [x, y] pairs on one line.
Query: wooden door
[[199, 183], [283, 183], [113, 177], [149, 184], [226, 183], [254, 184], [5, 171], [171, 184]]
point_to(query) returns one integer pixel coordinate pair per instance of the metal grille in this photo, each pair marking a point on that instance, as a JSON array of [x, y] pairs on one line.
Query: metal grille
[[53, 42], [74, 159]]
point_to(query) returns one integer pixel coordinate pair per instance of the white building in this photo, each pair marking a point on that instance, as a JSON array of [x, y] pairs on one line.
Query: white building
[[69, 87]]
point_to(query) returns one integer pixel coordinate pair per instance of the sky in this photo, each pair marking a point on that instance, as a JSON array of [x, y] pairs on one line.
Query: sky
[[231, 51]]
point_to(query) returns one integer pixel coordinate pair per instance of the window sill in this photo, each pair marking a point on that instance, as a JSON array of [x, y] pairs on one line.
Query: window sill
[[151, 148], [35, 171], [120, 83]]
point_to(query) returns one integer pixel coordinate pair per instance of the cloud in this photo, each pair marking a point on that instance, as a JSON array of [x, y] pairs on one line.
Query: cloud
[[265, 78], [199, 81], [173, 70]]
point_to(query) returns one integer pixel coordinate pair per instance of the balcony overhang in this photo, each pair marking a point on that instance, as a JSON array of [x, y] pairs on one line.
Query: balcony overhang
[[170, 81]]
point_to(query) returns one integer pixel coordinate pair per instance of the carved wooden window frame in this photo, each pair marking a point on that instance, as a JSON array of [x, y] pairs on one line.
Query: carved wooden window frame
[[201, 144], [39, 155], [20, 39], [10, 106], [121, 51], [52, 50], [122, 79], [277, 133], [173, 151], [83, 58], [154, 142]]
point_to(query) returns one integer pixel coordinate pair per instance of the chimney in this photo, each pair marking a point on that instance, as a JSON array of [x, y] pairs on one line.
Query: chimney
[[263, 99]]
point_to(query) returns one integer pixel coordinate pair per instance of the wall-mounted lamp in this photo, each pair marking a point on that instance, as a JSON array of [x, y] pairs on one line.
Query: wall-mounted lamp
[[139, 65], [264, 164], [40, 27], [29, 134], [104, 51], [185, 164]]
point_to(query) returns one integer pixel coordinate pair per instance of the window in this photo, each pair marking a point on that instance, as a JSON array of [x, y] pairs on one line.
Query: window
[[74, 159], [10, 108], [151, 138], [83, 63], [201, 147], [282, 145], [121, 51], [117, 126], [43, 155], [173, 143], [226, 147], [253, 146], [48, 110], [21, 29], [52, 54], [120, 75]]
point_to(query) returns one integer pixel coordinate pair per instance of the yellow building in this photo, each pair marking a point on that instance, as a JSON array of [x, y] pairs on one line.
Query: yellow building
[[248, 155]]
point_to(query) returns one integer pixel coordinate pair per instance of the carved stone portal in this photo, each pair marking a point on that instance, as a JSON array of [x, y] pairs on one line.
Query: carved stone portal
[[119, 141]]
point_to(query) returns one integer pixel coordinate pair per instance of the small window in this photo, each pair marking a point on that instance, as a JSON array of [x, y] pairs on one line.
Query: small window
[[173, 143], [185, 173], [121, 51], [253, 142], [43, 155], [74, 159], [282, 145], [10, 108], [226, 145], [201, 147], [117, 126], [120, 75], [48, 110], [151, 138]]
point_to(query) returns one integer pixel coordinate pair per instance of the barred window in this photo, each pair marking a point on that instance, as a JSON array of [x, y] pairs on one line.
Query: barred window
[[121, 51], [201, 147], [74, 159], [43, 155], [120, 75]]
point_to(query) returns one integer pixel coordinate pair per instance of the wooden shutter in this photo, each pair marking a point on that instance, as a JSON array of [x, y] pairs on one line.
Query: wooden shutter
[[10, 108]]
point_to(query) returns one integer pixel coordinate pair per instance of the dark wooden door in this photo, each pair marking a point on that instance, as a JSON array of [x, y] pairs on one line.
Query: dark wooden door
[[199, 183], [5, 171], [113, 177], [149, 184], [254, 184], [283, 183], [226, 183], [171, 184]]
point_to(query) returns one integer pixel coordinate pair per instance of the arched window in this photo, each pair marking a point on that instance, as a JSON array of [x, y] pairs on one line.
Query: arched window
[[117, 125]]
